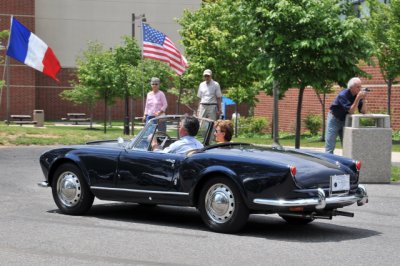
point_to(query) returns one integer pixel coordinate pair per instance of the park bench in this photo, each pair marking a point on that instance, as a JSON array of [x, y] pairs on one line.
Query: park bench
[[76, 118], [22, 120]]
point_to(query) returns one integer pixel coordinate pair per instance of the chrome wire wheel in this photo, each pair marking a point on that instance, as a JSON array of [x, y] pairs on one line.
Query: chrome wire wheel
[[220, 203], [69, 189]]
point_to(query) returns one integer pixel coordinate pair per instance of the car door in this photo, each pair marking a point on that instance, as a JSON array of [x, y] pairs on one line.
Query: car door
[[140, 170]]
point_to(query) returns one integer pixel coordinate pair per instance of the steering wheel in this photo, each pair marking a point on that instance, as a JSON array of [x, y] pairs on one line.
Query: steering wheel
[[162, 138]]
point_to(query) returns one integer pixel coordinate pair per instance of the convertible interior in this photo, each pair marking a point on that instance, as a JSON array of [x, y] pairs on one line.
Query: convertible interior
[[163, 131]]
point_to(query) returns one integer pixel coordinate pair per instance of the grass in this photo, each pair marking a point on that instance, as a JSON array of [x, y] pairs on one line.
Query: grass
[[64, 135], [395, 177], [55, 135]]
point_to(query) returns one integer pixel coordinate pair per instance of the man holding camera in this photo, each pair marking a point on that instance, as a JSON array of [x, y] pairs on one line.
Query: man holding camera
[[346, 102]]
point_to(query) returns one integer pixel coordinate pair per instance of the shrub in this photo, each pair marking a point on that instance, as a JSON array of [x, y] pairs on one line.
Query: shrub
[[313, 123], [367, 122], [252, 125]]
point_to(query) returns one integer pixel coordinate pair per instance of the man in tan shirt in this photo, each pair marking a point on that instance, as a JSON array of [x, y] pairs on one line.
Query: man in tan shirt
[[210, 97]]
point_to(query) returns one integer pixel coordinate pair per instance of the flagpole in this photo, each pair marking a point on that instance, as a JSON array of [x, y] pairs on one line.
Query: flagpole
[[141, 41], [8, 74], [8, 88]]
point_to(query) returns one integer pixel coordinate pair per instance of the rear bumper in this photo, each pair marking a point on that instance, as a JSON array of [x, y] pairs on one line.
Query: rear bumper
[[320, 201]]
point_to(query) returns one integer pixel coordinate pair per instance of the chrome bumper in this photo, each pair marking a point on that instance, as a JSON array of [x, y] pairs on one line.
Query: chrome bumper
[[320, 201], [43, 184]]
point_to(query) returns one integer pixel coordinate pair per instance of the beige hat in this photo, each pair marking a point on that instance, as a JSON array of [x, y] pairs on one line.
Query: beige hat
[[207, 72]]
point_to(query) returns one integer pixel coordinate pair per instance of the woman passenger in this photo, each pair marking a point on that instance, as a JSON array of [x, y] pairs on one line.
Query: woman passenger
[[223, 131]]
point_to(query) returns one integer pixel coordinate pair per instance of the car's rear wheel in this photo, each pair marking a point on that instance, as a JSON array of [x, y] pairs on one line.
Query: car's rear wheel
[[70, 191], [296, 220], [222, 207]]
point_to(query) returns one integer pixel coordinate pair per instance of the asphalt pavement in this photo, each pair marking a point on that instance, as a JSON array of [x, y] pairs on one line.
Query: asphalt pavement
[[34, 232]]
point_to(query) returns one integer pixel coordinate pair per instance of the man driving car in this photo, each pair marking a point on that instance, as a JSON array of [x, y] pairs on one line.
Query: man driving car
[[188, 128]]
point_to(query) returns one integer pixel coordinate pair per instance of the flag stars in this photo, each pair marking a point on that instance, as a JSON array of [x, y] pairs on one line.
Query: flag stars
[[152, 35]]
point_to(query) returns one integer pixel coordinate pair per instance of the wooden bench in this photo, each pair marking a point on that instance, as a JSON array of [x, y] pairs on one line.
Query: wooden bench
[[22, 120]]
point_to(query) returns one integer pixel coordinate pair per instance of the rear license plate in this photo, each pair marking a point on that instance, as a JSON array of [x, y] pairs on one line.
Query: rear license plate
[[340, 183]]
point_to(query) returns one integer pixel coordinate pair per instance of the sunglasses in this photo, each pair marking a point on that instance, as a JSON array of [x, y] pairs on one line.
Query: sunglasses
[[219, 131], [155, 84]]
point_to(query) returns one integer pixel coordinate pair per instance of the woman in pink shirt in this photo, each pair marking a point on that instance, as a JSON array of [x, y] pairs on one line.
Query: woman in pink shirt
[[156, 102]]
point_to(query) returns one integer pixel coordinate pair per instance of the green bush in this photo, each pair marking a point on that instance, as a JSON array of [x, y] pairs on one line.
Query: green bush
[[367, 122], [313, 123], [252, 125]]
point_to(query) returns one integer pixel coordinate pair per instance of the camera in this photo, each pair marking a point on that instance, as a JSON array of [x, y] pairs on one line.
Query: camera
[[366, 89]]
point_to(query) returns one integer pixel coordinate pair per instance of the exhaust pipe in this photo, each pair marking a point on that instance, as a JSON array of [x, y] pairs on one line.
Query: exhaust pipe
[[341, 213]]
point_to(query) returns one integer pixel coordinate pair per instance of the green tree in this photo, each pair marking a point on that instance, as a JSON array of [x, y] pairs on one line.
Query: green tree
[[307, 42], [384, 30], [214, 40], [104, 75], [95, 73], [126, 57]]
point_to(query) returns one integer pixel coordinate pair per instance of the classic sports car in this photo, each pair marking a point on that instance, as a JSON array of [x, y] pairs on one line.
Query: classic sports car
[[225, 182]]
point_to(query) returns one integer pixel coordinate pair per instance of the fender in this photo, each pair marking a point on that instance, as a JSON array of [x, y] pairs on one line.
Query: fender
[[212, 171], [59, 159]]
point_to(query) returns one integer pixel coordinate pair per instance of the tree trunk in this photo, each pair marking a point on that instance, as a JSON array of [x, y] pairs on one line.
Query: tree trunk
[[323, 118], [91, 107], [298, 117], [105, 114], [275, 120], [322, 102], [390, 82]]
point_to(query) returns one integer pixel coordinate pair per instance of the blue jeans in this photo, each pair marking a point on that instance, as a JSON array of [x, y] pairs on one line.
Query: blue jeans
[[334, 127]]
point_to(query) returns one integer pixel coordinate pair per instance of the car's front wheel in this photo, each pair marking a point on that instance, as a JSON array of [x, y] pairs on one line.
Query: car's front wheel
[[222, 207], [70, 191]]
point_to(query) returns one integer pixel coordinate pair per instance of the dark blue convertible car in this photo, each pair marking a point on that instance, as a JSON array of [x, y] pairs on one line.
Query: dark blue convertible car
[[225, 182]]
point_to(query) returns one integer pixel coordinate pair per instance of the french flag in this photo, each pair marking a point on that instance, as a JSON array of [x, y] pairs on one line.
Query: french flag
[[29, 49]]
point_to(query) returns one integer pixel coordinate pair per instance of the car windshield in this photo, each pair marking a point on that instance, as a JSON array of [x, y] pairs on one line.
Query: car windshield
[[165, 130]]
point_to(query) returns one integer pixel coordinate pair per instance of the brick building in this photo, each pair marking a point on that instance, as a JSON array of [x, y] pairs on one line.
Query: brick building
[[66, 26]]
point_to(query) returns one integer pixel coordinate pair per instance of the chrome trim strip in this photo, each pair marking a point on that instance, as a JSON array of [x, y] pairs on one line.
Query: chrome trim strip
[[320, 202], [142, 191]]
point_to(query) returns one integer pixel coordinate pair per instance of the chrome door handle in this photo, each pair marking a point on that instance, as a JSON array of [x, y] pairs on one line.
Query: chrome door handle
[[171, 161]]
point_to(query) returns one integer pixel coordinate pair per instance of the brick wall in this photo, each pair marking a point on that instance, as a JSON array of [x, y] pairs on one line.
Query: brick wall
[[377, 102], [22, 78]]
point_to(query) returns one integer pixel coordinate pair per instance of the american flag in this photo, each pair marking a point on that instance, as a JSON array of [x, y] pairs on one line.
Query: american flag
[[157, 46]]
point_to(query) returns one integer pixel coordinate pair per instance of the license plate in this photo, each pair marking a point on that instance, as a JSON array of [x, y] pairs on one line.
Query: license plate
[[340, 183]]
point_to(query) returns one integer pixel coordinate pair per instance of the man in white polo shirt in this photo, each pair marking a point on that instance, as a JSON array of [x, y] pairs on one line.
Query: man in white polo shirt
[[210, 97]]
